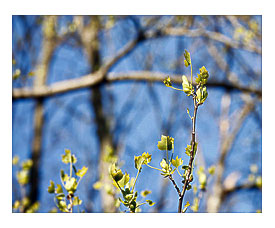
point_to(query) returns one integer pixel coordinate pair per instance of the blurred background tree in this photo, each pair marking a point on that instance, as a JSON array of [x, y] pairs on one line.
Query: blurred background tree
[[93, 84]]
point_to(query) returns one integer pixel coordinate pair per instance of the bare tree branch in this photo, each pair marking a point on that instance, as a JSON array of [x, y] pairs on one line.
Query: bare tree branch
[[97, 77]]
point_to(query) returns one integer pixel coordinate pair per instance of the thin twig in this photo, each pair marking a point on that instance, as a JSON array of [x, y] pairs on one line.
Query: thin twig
[[175, 184], [193, 142]]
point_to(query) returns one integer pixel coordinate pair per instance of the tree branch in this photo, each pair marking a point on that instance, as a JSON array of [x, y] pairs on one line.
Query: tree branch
[[92, 79]]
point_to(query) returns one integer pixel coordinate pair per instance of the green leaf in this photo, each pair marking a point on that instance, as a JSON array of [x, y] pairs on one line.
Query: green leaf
[[258, 181], [117, 175], [185, 207], [164, 164], [166, 143], [15, 160], [77, 201], [167, 82], [125, 179], [185, 167], [63, 175], [97, 185], [145, 193], [58, 189], [186, 86], [26, 165], [139, 160], [203, 76], [150, 202], [68, 157], [61, 204], [82, 172], [211, 170], [147, 157], [71, 185], [188, 149], [187, 60], [23, 177], [16, 205], [51, 187], [201, 95], [177, 162], [166, 170]]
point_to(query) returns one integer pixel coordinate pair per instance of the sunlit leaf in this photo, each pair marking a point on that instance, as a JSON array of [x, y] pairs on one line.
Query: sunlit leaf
[[116, 174], [166, 143], [145, 193], [167, 82], [82, 172], [187, 60], [68, 157], [51, 188], [150, 202], [71, 185], [186, 86], [15, 160], [77, 201], [139, 160], [177, 162]]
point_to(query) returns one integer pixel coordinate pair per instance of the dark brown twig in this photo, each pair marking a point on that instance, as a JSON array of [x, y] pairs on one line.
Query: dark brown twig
[[193, 142]]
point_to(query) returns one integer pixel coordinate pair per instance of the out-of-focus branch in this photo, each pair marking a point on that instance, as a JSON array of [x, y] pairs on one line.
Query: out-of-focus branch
[[216, 36], [227, 191], [97, 77], [227, 138]]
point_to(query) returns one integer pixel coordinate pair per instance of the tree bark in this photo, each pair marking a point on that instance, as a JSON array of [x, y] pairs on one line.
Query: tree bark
[[48, 46], [89, 38]]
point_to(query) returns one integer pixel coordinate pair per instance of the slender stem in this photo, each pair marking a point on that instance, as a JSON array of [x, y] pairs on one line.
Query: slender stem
[[176, 88], [153, 167], [175, 184], [193, 141], [135, 180], [167, 160], [71, 168], [191, 71], [171, 156], [179, 172]]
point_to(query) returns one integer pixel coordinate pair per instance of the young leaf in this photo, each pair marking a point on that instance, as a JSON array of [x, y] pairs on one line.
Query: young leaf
[[82, 172], [167, 82], [145, 193], [147, 157], [117, 175], [177, 162], [26, 165], [61, 204], [201, 95], [51, 187], [139, 161], [150, 202], [187, 60], [97, 185], [188, 149], [211, 170], [125, 179], [58, 189], [164, 164], [186, 86], [15, 160], [203, 76], [68, 157], [185, 207], [166, 143], [71, 185], [77, 201], [23, 177]]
